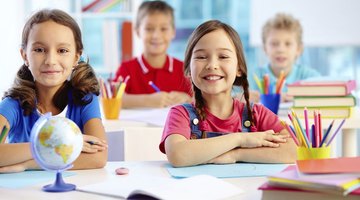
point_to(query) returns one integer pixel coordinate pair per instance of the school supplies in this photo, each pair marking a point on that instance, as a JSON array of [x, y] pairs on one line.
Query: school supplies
[[289, 178], [265, 86], [276, 193], [270, 96], [340, 165], [111, 96], [313, 138], [321, 88], [327, 101], [154, 86], [326, 112], [3, 134], [196, 187]]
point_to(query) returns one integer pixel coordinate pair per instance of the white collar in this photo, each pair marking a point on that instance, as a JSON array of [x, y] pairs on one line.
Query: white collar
[[146, 70]]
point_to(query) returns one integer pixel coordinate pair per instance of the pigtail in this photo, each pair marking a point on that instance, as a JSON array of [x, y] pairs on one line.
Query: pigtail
[[245, 85], [199, 104], [83, 81], [23, 90]]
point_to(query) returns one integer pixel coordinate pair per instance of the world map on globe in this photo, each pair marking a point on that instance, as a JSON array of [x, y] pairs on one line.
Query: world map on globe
[[57, 142]]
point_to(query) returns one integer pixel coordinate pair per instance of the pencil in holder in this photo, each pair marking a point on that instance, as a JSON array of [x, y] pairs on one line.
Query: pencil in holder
[[111, 107], [304, 153]]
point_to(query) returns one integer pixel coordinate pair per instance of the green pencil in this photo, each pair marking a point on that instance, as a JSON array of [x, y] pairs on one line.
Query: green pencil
[[3, 134]]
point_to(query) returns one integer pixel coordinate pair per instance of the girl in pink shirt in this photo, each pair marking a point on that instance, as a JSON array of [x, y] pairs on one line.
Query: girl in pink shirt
[[215, 61]]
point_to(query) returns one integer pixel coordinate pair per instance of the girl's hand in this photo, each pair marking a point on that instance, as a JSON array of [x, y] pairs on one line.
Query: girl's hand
[[262, 139], [93, 144]]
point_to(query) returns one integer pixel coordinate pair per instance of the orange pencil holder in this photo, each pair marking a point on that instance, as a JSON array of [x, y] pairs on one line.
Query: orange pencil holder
[[304, 153], [111, 107]]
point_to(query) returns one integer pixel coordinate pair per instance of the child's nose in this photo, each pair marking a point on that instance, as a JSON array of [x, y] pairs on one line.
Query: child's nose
[[213, 64], [50, 58]]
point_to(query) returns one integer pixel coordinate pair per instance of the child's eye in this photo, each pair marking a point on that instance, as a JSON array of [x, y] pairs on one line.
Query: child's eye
[[200, 57], [62, 51], [149, 29], [39, 50], [164, 29], [223, 56]]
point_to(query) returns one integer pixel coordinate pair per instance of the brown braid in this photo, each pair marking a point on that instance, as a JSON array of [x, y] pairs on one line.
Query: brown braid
[[199, 104]]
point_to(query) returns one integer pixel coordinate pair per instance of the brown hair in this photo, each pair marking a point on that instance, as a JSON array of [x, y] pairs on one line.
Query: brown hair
[[83, 79], [283, 21], [197, 34], [150, 7]]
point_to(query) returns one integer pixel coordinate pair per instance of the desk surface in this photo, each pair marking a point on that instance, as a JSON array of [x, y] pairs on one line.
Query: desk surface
[[144, 168]]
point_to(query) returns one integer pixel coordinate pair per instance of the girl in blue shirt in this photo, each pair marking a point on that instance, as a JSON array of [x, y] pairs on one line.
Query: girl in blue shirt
[[52, 79]]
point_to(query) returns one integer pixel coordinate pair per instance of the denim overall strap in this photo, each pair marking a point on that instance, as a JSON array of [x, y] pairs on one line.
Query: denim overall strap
[[194, 120], [196, 133], [245, 123]]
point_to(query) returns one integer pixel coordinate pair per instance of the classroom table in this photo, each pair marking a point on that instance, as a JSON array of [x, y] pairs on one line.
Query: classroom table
[[136, 168], [142, 130]]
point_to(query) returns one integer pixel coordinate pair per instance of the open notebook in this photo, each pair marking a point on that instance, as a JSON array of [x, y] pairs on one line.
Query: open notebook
[[196, 187]]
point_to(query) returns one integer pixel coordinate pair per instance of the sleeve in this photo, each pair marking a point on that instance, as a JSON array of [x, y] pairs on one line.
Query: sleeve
[[177, 122], [11, 110], [91, 110], [265, 119]]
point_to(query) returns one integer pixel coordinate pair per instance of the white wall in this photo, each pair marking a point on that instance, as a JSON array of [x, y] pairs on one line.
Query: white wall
[[325, 22], [11, 22]]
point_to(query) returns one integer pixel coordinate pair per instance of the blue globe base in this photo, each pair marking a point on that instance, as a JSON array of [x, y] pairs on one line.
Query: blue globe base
[[59, 185]]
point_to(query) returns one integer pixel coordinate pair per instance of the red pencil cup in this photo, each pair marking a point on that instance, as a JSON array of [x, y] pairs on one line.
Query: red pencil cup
[[271, 101]]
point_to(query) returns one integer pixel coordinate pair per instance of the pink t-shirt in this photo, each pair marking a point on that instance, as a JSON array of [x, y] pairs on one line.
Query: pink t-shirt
[[178, 122]]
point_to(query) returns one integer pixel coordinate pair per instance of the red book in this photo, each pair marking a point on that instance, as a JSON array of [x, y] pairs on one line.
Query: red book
[[276, 193], [349, 165], [321, 88]]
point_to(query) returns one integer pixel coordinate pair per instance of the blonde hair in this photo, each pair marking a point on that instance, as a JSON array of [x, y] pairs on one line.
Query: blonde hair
[[283, 21]]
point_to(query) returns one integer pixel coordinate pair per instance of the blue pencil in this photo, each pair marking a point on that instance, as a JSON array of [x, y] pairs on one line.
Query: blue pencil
[[336, 132], [327, 133], [154, 86]]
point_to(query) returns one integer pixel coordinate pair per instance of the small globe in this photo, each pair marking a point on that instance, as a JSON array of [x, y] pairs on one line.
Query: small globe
[[56, 142]]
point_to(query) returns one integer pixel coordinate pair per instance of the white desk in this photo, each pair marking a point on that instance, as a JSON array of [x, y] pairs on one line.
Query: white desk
[[141, 136], [86, 177]]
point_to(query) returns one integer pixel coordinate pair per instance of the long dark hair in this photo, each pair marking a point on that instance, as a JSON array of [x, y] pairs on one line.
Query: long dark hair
[[83, 79], [197, 34]]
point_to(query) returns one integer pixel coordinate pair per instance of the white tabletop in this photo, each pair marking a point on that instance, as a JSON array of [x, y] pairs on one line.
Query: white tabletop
[[144, 168]]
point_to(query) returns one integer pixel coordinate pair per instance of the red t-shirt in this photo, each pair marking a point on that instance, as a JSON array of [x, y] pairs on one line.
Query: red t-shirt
[[178, 122], [168, 78]]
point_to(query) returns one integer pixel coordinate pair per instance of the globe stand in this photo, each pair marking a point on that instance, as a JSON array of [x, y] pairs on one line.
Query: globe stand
[[59, 185]]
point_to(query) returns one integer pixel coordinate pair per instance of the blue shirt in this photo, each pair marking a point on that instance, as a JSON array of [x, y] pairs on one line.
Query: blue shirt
[[297, 73], [20, 125]]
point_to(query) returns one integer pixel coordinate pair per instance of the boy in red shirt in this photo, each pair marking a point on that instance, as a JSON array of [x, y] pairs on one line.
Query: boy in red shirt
[[155, 27]]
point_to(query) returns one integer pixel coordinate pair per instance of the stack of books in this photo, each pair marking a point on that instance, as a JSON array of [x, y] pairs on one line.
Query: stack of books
[[333, 178], [333, 99]]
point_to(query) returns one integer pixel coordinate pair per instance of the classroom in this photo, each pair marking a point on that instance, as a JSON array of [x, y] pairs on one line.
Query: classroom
[[325, 58]]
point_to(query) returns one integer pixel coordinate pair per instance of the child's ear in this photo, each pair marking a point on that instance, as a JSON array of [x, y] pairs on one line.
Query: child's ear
[[77, 59], [24, 57], [238, 73]]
